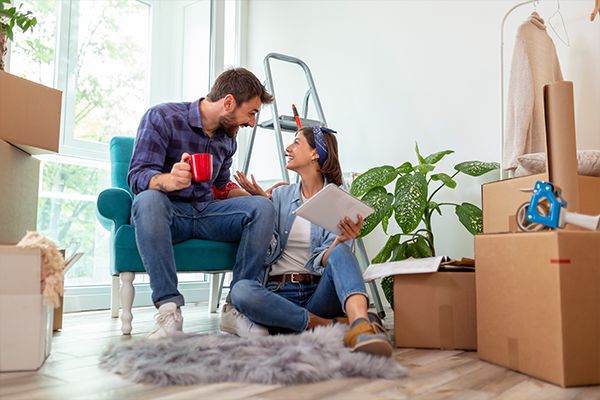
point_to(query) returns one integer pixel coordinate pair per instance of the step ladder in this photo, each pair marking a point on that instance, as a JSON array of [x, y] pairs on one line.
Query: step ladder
[[287, 123]]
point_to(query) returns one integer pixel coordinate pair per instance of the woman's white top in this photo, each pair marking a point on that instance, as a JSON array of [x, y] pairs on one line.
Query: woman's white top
[[298, 249]]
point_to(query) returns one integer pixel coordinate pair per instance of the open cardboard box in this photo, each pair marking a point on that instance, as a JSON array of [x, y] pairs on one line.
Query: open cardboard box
[[29, 114], [434, 302], [25, 323], [538, 304], [58, 311]]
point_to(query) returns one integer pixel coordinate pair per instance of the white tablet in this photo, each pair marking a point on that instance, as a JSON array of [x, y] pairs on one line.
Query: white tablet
[[332, 204]]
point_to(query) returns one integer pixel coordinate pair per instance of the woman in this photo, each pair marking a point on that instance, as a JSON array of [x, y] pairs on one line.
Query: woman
[[311, 275]]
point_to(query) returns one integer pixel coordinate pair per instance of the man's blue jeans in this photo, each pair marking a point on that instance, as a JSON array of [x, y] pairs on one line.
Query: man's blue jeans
[[160, 223], [287, 304]]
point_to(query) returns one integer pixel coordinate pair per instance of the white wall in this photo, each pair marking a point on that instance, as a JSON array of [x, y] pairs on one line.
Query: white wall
[[390, 73]]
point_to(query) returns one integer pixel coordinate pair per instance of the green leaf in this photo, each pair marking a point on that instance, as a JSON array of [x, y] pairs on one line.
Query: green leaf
[[425, 168], [476, 168], [405, 168], [381, 201], [400, 252], [386, 219], [435, 157], [378, 176], [432, 205], [471, 217], [386, 252], [387, 284], [445, 178], [411, 198], [411, 250], [422, 248], [9, 32], [419, 157]]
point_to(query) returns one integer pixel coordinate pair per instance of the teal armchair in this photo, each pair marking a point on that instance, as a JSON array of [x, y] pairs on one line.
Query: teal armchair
[[113, 210]]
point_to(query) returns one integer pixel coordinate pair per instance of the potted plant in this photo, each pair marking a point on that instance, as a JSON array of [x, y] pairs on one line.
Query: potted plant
[[412, 205], [9, 18]]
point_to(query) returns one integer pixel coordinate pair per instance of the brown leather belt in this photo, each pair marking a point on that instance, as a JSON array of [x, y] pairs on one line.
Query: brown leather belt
[[295, 278]]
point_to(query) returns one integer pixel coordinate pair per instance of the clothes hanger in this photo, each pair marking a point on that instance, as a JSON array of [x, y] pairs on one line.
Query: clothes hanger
[[535, 13], [568, 42], [596, 10]]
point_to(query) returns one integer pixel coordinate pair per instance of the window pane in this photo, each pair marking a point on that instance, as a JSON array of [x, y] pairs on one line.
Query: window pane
[[196, 44], [111, 68], [66, 215], [32, 54]]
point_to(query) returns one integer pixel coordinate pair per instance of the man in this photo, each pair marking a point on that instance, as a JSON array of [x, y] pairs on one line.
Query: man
[[169, 208]]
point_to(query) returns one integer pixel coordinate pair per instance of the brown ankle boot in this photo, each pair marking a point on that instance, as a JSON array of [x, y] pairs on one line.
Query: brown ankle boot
[[369, 337]]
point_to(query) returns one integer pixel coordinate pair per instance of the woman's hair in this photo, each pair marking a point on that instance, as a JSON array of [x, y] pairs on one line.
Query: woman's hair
[[331, 168]]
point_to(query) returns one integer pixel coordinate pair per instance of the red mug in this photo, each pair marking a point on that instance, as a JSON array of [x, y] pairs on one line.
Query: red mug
[[201, 164]]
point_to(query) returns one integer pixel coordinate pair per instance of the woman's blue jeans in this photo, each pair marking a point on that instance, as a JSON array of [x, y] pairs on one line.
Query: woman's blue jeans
[[160, 223], [287, 304]]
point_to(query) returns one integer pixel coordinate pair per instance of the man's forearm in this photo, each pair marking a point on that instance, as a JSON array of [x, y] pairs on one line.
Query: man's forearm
[[159, 182]]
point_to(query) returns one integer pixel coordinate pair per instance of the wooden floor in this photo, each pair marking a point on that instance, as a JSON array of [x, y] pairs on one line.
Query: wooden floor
[[71, 371]]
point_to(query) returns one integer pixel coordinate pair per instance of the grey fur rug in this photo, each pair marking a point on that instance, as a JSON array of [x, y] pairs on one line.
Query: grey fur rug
[[188, 359]]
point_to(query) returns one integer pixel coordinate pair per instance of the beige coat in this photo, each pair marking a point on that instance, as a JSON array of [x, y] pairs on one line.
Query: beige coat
[[534, 64]]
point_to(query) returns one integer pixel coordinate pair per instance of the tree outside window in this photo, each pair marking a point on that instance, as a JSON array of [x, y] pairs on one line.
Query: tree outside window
[[110, 71]]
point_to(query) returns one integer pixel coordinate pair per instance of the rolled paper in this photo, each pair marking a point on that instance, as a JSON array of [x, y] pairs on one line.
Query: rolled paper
[[561, 147]]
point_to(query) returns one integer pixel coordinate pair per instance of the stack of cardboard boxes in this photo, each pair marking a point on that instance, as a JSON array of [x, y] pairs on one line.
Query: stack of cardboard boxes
[[30, 116], [534, 303], [538, 293]]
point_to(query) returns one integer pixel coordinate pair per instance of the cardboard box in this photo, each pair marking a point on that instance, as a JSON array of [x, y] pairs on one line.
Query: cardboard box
[[29, 114], [538, 304], [435, 310], [502, 199], [58, 311], [25, 323], [19, 179]]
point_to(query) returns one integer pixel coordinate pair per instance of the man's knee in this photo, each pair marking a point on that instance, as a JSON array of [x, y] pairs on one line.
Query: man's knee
[[150, 200], [263, 207], [242, 291]]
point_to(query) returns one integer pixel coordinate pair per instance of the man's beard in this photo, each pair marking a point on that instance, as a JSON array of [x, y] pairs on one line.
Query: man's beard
[[228, 124]]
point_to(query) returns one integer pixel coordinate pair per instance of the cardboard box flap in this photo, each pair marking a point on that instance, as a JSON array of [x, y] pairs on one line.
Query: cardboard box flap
[[418, 266]]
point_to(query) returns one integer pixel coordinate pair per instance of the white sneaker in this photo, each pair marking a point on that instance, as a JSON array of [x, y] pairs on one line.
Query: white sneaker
[[232, 321], [168, 321]]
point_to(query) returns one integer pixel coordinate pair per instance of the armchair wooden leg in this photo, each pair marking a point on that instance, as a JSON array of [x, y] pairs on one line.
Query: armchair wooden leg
[[114, 297], [213, 293], [127, 295], [221, 282]]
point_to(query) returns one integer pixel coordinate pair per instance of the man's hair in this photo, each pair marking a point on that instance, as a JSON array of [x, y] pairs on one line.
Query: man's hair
[[331, 169], [241, 84]]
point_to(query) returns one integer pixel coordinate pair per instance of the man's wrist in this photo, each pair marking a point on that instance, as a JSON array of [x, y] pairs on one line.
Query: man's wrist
[[158, 183]]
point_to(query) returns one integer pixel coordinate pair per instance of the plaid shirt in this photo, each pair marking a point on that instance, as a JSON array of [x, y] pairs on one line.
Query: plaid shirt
[[165, 133]]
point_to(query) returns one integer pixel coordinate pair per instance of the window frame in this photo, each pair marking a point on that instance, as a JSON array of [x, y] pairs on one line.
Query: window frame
[[95, 297]]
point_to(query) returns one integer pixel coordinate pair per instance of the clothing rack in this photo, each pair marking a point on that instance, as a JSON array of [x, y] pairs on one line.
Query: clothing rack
[[534, 2], [595, 11]]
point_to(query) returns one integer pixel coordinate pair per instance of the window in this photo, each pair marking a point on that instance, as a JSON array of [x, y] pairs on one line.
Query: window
[[102, 47], [101, 54], [110, 71], [66, 214]]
